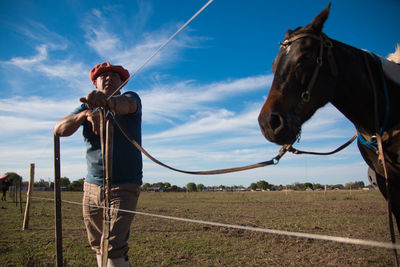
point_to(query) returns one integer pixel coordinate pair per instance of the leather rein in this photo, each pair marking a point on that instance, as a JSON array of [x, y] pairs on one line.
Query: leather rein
[[273, 161]]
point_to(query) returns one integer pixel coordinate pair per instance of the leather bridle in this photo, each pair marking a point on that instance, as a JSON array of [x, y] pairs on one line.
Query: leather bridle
[[324, 42]]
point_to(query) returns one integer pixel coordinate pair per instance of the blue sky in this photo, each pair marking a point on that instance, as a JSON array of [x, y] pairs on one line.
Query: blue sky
[[201, 95]]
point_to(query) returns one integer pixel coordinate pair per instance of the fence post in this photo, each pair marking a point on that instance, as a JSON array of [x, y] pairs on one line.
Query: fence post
[[25, 224], [57, 198], [20, 196], [16, 193]]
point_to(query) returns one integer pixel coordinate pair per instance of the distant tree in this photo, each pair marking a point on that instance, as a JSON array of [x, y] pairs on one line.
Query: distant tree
[[355, 185], [64, 182], [76, 185], [200, 187], [308, 185], [253, 186], [349, 186], [42, 183], [191, 187], [263, 185], [167, 185], [338, 186], [289, 187], [174, 188], [145, 187], [222, 187], [159, 184], [299, 187], [359, 185], [276, 187], [318, 186]]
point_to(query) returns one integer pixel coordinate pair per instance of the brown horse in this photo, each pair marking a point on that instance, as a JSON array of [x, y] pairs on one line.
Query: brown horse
[[311, 70]]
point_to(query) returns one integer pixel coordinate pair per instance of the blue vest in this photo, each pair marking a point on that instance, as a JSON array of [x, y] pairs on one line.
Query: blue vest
[[127, 159]]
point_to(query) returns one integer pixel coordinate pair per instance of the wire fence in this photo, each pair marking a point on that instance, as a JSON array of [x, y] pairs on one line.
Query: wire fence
[[343, 240]]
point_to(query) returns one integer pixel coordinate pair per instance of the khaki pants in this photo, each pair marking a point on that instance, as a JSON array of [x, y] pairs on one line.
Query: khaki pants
[[123, 196]]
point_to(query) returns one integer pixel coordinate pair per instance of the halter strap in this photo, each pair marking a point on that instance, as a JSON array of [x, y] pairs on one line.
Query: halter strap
[[324, 41]]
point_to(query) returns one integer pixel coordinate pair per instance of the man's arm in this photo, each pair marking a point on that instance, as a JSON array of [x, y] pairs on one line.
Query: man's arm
[[120, 104], [69, 124]]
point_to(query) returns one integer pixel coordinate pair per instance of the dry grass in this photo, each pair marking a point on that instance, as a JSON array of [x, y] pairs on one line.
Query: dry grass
[[161, 242]]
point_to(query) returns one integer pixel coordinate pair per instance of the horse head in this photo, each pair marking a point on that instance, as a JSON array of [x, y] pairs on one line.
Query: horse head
[[303, 81]]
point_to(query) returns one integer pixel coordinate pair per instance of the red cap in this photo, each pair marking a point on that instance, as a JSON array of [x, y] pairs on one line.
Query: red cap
[[106, 66]]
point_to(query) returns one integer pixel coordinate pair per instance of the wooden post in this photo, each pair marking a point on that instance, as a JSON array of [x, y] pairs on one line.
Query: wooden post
[[28, 197], [108, 163], [57, 202], [15, 193], [20, 196]]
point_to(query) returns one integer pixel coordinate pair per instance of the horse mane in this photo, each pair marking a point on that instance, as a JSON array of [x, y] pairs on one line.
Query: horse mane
[[395, 57]]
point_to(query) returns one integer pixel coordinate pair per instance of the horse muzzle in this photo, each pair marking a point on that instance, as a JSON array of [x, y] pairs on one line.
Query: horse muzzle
[[276, 128]]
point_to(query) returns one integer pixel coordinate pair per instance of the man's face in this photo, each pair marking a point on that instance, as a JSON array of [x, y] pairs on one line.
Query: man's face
[[108, 82]]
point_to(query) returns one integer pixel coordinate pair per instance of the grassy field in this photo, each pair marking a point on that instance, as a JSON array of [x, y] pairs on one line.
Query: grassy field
[[162, 242]]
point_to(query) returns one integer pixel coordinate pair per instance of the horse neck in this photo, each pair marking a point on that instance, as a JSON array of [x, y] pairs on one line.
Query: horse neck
[[354, 95]]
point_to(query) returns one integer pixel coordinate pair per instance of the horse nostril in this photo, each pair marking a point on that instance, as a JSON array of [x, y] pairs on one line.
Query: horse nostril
[[275, 121]]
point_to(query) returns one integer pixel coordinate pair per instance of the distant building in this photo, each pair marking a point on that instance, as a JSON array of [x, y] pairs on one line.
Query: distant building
[[156, 189]]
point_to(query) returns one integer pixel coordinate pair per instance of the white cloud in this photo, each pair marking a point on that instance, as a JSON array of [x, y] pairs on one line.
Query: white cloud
[[112, 41], [27, 63], [15, 124], [38, 33], [51, 58], [37, 107], [67, 70], [163, 103], [21, 116], [209, 123]]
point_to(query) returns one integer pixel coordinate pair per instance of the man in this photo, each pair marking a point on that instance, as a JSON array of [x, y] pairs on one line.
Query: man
[[127, 160]]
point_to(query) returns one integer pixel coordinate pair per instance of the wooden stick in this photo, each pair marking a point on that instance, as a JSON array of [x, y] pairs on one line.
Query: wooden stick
[[108, 174], [28, 198], [57, 205]]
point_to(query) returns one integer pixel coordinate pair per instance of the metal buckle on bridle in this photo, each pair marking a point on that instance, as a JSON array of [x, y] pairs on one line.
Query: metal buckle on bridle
[[328, 43], [319, 61], [306, 96], [285, 43]]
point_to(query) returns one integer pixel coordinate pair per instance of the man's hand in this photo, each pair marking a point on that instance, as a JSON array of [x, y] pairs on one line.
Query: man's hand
[[119, 104], [93, 116], [95, 99]]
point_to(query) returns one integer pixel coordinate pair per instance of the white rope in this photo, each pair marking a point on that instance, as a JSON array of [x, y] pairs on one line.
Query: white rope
[[344, 240], [161, 47]]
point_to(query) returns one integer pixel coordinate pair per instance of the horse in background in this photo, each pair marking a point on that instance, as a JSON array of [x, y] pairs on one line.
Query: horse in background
[[311, 70], [4, 186]]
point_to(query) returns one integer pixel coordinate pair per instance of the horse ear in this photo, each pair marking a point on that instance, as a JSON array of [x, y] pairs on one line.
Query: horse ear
[[318, 22]]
